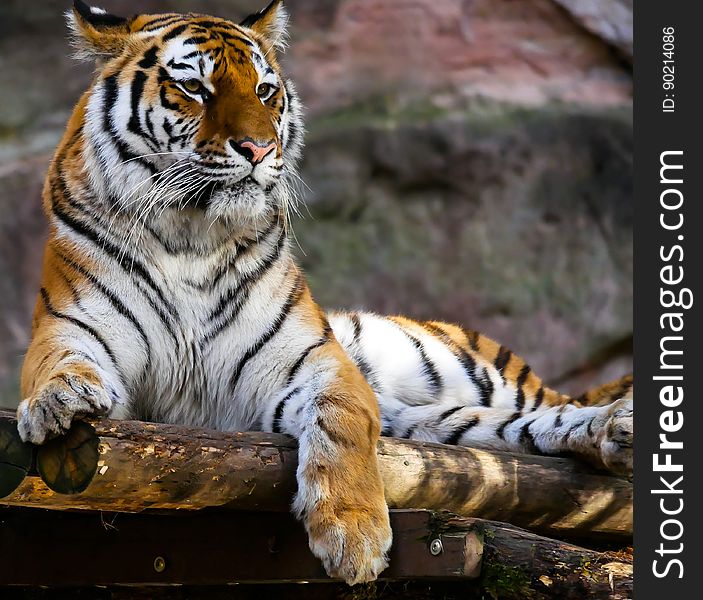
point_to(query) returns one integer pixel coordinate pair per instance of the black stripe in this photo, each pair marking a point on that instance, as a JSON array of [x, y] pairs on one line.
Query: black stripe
[[468, 363], [168, 130], [280, 407], [500, 432], [538, 398], [110, 95], [356, 324], [472, 338], [163, 21], [194, 41], [527, 440], [228, 37], [242, 248], [448, 413], [134, 124], [233, 292], [176, 31], [409, 432], [120, 257], [204, 25], [483, 383], [456, 435], [178, 66], [163, 76], [520, 395], [165, 102], [149, 122], [358, 356], [149, 58], [502, 359], [208, 24], [85, 231], [166, 318], [557, 420], [565, 437], [485, 386], [427, 365], [78, 323], [301, 359], [291, 301], [240, 293], [438, 332], [117, 304], [72, 289]]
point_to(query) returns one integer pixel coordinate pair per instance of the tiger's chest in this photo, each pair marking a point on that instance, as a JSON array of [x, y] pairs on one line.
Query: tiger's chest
[[198, 343]]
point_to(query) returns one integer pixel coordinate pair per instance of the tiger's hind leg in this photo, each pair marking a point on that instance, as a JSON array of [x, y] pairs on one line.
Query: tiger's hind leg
[[606, 393], [600, 435], [440, 382]]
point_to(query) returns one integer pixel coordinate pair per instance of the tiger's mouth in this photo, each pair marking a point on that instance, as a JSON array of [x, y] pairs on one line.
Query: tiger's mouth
[[236, 189]]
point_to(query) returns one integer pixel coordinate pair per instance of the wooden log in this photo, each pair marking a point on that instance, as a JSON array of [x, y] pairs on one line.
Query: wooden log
[[478, 558], [156, 466], [15, 458], [518, 564]]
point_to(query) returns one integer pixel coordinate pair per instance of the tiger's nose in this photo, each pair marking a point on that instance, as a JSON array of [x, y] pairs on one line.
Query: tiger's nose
[[251, 150]]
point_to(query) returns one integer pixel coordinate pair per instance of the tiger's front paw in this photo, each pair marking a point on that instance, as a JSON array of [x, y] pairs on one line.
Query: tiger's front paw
[[352, 544], [616, 441], [51, 410]]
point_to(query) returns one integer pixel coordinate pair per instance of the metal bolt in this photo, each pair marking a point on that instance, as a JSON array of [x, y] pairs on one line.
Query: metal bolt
[[436, 547], [159, 564]]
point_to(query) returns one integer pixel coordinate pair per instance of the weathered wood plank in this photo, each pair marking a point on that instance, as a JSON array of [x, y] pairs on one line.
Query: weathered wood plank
[[52, 548], [217, 547], [155, 466]]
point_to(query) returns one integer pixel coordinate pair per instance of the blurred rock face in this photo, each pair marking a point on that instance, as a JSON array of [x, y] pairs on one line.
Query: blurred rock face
[[467, 160]]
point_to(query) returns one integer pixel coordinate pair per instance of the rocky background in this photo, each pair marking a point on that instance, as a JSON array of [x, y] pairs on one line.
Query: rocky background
[[469, 160]]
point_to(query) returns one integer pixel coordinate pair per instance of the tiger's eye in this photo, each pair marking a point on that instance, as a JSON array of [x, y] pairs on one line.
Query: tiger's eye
[[192, 85], [263, 89]]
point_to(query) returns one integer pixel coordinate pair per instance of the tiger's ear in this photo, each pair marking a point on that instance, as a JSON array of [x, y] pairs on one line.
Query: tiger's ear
[[270, 23], [96, 33]]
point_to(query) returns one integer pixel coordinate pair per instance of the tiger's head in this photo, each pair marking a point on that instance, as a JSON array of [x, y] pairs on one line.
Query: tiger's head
[[188, 110]]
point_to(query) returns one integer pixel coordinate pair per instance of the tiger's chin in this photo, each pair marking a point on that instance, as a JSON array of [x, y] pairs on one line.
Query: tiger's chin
[[243, 201]]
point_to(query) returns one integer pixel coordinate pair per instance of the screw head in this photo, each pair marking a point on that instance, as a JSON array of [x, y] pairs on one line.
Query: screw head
[[159, 564], [436, 547]]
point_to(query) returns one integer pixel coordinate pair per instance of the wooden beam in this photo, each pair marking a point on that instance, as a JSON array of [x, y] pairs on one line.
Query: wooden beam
[[211, 547], [155, 466], [40, 547]]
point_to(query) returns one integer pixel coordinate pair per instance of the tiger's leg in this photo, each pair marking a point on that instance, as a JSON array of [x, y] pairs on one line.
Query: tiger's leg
[[601, 435], [333, 413], [439, 381], [67, 372]]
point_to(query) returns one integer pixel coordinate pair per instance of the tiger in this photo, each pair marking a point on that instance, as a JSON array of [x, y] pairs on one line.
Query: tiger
[[170, 291]]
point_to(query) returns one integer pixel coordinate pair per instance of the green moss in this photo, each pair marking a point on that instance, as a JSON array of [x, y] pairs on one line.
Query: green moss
[[485, 116], [502, 583], [7, 132], [363, 591]]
